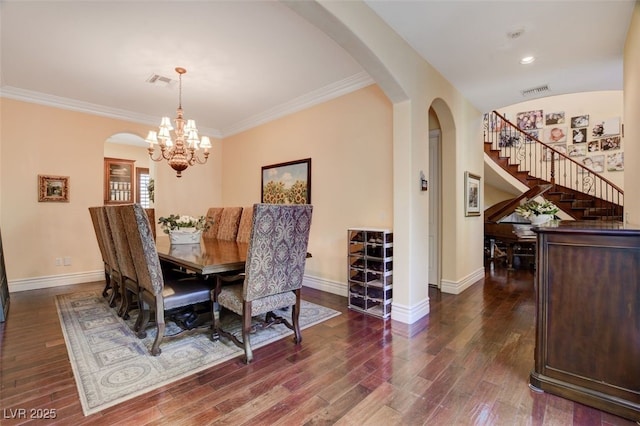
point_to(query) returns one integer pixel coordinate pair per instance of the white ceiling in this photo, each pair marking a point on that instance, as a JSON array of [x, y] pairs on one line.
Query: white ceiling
[[251, 61]]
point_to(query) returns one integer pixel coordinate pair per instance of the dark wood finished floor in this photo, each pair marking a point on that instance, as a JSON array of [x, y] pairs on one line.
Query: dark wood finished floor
[[467, 363]]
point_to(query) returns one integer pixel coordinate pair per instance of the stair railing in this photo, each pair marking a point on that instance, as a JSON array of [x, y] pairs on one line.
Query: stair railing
[[550, 163]]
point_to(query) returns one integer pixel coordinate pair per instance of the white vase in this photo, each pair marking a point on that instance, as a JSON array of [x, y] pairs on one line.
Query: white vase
[[540, 219], [185, 236]]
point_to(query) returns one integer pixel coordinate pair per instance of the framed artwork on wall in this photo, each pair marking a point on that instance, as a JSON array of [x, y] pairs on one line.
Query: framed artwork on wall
[[53, 188], [287, 183], [471, 194]]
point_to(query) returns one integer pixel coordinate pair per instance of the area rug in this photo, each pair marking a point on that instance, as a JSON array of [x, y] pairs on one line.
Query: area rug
[[111, 365]]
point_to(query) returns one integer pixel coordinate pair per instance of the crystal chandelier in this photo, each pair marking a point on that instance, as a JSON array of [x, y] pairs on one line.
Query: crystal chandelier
[[185, 151]]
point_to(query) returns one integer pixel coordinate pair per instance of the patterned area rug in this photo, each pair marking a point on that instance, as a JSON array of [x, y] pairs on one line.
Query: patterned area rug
[[112, 365]]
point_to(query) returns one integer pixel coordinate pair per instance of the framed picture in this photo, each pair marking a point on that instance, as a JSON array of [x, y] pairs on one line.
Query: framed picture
[[554, 118], [471, 194], [555, 134], [287, 183], [580, 121], [530, 120], [53, 188]]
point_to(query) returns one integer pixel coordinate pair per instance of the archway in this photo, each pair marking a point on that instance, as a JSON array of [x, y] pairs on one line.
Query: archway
[[447, 211], [130, 147]]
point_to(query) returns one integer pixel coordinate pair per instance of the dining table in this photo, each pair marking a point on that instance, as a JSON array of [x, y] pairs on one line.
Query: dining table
[[210, 256]]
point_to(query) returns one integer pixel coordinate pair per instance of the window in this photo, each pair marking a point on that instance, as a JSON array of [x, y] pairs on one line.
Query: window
[[142, 183]]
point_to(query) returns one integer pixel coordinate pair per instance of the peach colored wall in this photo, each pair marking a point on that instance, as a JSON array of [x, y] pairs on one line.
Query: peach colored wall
[[129, 152], [67, 143], [349, 141]]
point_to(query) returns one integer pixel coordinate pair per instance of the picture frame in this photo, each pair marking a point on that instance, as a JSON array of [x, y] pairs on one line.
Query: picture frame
[[287, 183], [53, 188], [471, 194]]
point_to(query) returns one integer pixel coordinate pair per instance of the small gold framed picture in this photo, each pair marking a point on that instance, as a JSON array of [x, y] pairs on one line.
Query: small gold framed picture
[[53, 188]]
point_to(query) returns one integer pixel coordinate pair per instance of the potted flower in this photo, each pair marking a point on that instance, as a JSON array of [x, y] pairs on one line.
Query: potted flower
[[538, 213], [184, 229]]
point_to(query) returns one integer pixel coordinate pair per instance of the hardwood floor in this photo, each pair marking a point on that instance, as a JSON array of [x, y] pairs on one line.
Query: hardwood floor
[[467, 363]]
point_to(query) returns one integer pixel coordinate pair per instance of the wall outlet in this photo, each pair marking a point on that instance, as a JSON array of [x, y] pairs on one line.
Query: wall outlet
[[58, 261], [67, 261]]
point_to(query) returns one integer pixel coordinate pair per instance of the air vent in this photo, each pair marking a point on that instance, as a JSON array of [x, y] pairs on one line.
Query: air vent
[[514, 34], [159, 79], [536, 90]]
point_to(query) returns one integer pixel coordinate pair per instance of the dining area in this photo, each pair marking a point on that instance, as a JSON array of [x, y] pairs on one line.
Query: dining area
[[246, 261]]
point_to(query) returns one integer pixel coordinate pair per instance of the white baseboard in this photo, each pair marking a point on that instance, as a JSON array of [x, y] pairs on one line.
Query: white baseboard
[[55, 280], [410, 314], [334, 287], [457, 287], [322, 284]]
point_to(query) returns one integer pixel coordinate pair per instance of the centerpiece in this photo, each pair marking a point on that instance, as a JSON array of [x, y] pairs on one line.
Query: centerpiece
[[538, 213], [184, 229]]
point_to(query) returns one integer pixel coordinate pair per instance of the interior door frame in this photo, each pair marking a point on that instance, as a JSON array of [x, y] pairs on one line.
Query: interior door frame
[[435, 208]]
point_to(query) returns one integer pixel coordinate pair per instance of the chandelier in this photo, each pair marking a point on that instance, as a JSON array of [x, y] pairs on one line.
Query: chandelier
[[185, 150]]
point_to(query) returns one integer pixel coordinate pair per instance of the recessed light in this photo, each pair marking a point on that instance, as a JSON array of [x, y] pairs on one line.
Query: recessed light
[[527, 60]]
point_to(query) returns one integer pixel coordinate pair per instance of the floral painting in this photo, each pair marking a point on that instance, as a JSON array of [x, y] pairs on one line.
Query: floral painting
[[287, 183]]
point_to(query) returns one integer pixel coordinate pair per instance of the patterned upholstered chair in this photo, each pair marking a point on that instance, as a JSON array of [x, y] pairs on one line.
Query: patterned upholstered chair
[[128, 276], [244, 228], [228, 226], [273, 274], [110, 253], [93, 211], [157, 292], [213, 214]]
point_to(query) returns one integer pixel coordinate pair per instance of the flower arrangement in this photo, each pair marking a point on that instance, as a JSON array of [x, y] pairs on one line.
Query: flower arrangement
[[177, 222], [533, 208]]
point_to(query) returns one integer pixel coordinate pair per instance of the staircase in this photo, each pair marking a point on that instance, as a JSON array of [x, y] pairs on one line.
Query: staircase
[[577, 190]]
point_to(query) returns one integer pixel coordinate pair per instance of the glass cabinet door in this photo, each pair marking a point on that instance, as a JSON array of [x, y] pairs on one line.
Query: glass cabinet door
[[119, 187]]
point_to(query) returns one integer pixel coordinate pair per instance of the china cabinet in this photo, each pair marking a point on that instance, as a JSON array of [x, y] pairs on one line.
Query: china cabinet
[[119, 183]]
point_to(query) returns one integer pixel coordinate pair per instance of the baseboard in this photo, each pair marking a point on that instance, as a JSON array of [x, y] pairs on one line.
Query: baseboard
[[322, 284], [410, 314], [334, 287], [55, 280], [457, 287]]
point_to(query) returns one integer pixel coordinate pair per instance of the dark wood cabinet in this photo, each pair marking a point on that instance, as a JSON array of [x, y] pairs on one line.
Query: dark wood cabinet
[[588, 316], [119, 181], [4, 287]]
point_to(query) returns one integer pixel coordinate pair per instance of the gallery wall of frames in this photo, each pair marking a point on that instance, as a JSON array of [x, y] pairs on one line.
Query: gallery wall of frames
[[587, 127]]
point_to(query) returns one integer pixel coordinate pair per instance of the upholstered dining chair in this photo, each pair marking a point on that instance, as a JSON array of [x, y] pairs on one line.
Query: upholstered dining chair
[[272, 279], [229, 220], [157, 292], [213, 215], [93, 212], [110, 252], [128, 276], [244, 228]]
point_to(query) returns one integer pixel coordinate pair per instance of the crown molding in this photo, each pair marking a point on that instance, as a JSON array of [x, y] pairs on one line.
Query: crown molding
[[324, 94], [315, 97]]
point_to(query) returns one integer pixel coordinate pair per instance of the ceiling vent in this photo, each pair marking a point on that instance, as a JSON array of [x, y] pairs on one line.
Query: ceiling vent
[[536, 90], [160, 80], [514, 34]]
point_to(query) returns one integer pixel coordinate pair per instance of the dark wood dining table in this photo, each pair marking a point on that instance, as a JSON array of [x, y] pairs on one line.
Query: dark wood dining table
[[210, 256]]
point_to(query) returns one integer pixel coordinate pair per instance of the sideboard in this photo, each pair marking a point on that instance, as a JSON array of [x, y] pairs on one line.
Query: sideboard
[[588, 315]]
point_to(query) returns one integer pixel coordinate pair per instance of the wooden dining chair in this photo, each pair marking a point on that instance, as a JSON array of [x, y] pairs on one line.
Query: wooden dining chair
[[110, 253], [273, 274], [157, 292]]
